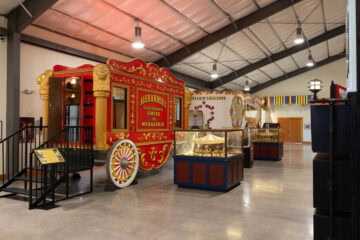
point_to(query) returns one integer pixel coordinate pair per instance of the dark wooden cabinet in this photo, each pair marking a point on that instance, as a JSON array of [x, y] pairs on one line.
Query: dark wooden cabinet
[[221, 174], [268, 150]]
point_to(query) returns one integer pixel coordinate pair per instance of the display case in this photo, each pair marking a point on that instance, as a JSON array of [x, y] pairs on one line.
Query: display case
[[268, 144], [209, 159], [248, 148]]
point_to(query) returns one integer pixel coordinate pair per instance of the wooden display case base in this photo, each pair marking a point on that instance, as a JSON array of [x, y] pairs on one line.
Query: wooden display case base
[[268, 151], [219, 174]]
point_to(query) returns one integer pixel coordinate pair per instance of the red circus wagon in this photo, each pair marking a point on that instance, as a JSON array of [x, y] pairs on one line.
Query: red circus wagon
[[133, 108]]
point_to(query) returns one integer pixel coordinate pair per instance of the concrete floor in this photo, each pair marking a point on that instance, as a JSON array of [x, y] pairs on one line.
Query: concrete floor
[[274, 202]]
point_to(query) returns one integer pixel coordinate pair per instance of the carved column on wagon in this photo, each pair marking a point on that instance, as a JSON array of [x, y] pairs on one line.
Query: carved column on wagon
[[101, 76], [187, 106], [43, 81]]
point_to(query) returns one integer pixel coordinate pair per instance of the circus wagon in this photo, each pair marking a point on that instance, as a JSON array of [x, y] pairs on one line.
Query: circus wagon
[[133, 107]]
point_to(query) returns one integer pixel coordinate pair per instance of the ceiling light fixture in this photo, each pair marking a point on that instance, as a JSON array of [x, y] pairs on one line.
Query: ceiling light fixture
[[214, 73], [73, 81], [299, 37], [247, 86], [310, 62], [138, 44]]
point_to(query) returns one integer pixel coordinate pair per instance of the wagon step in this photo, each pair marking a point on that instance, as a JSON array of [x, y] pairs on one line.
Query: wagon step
[[19, 191], [38, 180]]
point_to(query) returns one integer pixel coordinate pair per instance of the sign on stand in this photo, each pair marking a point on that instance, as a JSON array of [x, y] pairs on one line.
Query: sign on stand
[[49, 156]]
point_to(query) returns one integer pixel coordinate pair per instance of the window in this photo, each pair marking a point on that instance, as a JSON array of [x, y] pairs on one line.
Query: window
[[178, 112], [119, 98]]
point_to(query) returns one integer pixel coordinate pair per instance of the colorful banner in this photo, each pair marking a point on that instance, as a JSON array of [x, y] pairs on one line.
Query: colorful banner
[[288, 100]]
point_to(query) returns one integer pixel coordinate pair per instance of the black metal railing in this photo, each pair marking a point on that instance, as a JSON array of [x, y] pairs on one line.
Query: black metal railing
[[15, 153], [50, 183]]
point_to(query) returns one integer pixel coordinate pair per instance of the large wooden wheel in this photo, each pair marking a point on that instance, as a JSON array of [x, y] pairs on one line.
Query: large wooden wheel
[[122, 163]]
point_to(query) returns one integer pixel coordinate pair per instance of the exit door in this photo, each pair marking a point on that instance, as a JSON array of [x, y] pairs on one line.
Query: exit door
[[292, 129]]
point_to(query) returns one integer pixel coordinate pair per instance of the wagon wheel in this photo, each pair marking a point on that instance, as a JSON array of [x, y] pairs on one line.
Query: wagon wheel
[[122, 163]]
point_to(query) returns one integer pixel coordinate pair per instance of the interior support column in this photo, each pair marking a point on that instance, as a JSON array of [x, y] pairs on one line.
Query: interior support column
[[13, 77]]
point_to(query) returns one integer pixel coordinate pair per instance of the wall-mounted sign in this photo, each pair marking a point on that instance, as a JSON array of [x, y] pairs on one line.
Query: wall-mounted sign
[[49, 156]]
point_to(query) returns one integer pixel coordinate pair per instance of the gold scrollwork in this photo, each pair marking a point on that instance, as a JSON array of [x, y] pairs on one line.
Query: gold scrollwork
[[163, 153], [132, 69], [142, 158], [119, 136], [155, 135], [132, 121], [153, 153], [131, 82]]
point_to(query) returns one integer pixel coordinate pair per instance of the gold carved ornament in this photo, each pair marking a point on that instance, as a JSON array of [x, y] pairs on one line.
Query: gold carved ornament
[[43, 81], [155, 135], [142, 158], [132, 117], [131, 69], [101, 75], [153, 153], [119, 136], [162, 153]]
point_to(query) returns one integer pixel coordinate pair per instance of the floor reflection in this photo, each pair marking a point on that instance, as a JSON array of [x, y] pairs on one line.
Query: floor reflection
[[274, 203]]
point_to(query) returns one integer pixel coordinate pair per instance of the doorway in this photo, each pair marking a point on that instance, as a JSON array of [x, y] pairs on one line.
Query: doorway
[[292, 129]]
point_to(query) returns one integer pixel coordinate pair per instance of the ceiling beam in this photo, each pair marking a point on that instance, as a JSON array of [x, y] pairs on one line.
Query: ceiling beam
[[278, 56], [35, 7], [296, 73], [226, 31], [189, 80]]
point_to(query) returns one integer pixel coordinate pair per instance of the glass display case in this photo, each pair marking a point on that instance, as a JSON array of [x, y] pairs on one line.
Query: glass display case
[[248, 147], [209, 159], [268, 135], [268, 143], [208, 143]]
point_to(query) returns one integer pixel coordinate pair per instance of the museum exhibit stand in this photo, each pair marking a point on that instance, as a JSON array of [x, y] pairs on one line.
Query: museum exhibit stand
[[208, 159], [268, 144]]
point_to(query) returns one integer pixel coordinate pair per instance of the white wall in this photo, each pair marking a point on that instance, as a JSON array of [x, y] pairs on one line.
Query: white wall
[[298, 85], [33, 62], [3, 75]]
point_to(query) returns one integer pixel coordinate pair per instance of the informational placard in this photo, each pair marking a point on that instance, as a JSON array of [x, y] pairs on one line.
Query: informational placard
[[49, 156], [152, 111]]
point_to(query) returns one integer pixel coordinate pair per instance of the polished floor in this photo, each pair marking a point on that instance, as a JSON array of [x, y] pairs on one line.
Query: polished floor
[[274, 202]]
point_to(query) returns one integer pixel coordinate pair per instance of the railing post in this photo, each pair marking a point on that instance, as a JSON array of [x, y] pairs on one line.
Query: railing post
[[26, 156], [30, 182]]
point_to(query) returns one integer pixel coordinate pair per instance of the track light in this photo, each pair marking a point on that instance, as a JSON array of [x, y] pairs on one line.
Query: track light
[[247, 86], [299, 37], [138, 44], [310, 62], [214, 74]]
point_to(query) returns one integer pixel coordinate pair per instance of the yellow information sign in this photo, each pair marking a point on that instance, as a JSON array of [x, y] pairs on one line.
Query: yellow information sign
[[49, 156]]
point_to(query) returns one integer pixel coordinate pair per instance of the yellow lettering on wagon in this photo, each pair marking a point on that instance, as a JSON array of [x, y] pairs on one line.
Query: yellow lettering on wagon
[[152, 98], [152, 124], [151, 113]]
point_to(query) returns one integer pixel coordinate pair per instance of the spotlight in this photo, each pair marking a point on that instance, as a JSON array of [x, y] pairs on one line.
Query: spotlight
[[247, 86], [299, 37], [310, 62], [214, 74], [138, 44]]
